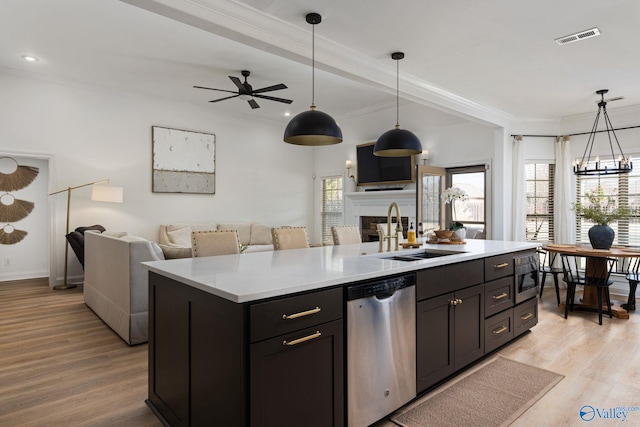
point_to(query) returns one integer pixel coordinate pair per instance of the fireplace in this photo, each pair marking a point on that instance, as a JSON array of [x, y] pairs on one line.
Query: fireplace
[[369, 226]]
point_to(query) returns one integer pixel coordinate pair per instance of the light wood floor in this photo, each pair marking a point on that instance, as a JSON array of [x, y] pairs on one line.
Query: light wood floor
[[61, 366]]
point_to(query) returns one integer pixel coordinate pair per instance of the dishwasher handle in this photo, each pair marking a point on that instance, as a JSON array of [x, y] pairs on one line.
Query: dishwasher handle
[[381, 289]]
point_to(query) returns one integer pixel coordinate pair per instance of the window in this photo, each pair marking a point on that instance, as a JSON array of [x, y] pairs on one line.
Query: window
[[331, 206], [626, 189], [539, 182], [472, 211]]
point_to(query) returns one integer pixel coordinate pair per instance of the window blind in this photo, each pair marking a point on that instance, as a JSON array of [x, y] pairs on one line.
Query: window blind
[[332, 206], [539, 183]]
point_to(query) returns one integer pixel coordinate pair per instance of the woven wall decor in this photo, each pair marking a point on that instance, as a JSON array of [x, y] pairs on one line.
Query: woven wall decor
[[9, 235], [17, 176], [12, 209]]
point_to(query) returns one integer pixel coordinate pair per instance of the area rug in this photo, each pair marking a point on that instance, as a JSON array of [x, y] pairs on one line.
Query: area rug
[[494, 393]]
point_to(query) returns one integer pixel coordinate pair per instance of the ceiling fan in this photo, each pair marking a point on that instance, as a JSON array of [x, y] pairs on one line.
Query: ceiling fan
[[246, 92]]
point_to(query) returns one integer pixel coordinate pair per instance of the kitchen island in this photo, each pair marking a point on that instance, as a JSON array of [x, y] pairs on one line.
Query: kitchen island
[[258, 339]]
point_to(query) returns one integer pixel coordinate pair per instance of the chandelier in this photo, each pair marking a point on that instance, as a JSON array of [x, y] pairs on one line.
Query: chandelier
[[620, 164]]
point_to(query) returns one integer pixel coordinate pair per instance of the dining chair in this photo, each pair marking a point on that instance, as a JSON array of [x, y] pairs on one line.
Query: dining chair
[[633, 276], [289, 238], [215, 242], [596, 272], [345, 234], [547, 266]]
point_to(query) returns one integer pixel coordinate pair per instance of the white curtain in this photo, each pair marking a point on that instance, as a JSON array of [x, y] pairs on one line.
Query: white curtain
[[563, 217], [519, 191]]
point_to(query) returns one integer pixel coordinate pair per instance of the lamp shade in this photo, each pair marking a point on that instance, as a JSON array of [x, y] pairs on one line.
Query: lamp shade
[[313, 127], [397, 143], [107, 193]]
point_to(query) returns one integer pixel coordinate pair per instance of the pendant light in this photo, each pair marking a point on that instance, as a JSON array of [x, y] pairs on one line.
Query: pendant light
[[585, 166], [313, 127], [397, 142]]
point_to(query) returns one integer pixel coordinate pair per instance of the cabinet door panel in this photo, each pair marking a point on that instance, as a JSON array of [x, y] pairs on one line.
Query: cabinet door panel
[[301, 384], [469, 330], [434, 324]]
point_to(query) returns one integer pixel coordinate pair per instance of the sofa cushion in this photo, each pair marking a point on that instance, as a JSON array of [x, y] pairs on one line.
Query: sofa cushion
[[180, 236], [243, 229], [115, 233], [260, 234], [175, 252]]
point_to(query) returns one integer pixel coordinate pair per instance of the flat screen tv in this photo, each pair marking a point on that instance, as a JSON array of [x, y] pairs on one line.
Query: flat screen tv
[[374, 170]]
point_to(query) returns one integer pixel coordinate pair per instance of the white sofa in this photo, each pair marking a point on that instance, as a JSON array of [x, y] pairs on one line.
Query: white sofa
[[116, 285], [175, 239]]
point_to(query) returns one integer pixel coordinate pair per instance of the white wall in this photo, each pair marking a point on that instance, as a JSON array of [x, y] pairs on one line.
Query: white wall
[[95, 135]]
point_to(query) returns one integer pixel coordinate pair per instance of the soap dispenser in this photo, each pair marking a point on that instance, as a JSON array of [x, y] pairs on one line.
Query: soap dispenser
[[411, 234]]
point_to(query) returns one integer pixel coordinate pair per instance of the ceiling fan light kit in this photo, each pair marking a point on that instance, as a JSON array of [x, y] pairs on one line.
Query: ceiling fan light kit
[[397, 142], [313, 127], [621, 164]]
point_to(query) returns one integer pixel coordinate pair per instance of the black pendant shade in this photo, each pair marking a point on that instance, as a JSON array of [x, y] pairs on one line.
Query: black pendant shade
[[397, 142], [313, 127]]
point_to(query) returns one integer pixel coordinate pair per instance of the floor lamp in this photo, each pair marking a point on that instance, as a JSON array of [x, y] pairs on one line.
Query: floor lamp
[[99, 193]]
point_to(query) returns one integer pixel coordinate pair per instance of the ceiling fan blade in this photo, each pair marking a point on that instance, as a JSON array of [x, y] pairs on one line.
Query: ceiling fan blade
[[253, 104], [270, 88], [237, 82], [222, 99], [210, 88], [271, 98]]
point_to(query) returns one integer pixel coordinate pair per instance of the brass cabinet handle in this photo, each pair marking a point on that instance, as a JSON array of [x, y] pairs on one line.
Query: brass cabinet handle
[[503, 265], [456, 301], [527, 316], [303, 339], [301, 314], [502, 295], [500, 330]]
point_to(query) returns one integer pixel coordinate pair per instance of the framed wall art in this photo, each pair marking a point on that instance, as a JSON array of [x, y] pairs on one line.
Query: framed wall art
[[183, 161]]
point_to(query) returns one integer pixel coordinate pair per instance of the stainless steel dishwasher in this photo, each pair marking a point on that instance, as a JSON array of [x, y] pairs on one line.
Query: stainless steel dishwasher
[[381, 348]]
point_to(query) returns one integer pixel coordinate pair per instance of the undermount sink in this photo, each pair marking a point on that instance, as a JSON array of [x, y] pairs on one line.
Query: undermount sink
[[419, 256]]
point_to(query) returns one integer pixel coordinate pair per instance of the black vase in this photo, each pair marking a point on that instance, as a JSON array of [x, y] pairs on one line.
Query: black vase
[[601, 236]]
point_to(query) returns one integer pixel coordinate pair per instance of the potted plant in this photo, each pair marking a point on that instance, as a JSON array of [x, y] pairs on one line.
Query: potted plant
[[602, 210], [452, 195]]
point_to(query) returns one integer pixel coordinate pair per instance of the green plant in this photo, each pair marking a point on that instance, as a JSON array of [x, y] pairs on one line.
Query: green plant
[[600, 208]]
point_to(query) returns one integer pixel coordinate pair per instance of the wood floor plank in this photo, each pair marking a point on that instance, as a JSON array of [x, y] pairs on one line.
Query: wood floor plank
[[60, 365]]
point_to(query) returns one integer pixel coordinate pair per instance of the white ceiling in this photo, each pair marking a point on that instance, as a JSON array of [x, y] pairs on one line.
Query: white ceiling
[[485, 60]]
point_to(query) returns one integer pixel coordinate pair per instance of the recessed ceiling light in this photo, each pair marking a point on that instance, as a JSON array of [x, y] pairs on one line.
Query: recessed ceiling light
[[29, 58], [287, 113]]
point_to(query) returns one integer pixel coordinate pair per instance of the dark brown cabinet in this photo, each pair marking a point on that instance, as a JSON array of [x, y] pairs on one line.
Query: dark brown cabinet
[[449, 327], [206, 370]]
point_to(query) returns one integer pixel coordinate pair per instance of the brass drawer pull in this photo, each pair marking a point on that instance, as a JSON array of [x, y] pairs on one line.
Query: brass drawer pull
[[502, 295], [303, 339], [527, 316], [500, 330], [301, 314], [503, 265]]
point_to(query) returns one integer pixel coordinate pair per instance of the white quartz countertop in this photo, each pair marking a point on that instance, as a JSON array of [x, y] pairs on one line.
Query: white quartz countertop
[[256, 276]]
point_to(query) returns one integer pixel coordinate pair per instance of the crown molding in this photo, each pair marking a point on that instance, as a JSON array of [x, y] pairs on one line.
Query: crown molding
[[251, 27]]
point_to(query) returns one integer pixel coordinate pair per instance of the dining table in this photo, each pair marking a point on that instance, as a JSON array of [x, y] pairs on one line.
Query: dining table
[[589, 299]]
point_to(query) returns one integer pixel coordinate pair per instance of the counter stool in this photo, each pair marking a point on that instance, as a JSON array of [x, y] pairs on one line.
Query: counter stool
[[345, 234], [215, 242], [289, 238]]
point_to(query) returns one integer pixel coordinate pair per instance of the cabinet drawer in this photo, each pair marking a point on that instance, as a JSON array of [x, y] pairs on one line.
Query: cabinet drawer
[[448, 278], [498, 296], [525, 316], [273, 318], [498, 330], [498, 266]]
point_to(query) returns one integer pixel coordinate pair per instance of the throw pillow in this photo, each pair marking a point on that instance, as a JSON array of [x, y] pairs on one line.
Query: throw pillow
[[180, 237]]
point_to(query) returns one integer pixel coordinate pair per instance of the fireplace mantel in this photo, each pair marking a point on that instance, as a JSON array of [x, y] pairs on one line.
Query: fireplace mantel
[[376, 203]]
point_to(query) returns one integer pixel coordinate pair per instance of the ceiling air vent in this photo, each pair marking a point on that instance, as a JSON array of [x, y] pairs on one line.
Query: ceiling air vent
[[582, 35]]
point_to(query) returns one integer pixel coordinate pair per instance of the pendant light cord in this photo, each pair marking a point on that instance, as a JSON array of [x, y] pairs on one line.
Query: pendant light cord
[[397, 93], [313, 66]]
